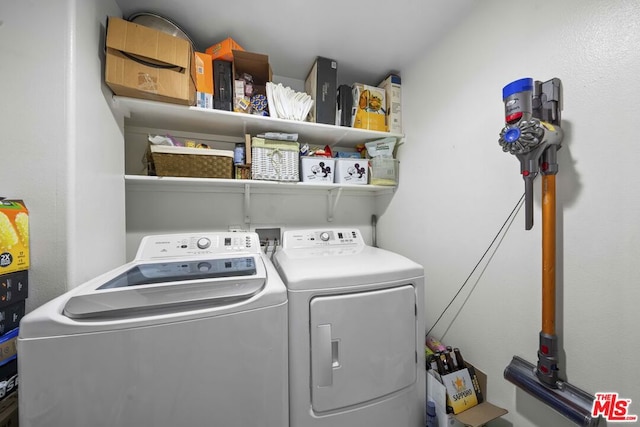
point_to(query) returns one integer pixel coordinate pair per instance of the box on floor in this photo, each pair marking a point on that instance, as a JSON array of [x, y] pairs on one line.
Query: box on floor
[[476, 416]]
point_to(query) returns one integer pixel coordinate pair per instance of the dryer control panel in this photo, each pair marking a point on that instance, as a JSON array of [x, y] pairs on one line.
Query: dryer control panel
[[197, 244], [318, 238]]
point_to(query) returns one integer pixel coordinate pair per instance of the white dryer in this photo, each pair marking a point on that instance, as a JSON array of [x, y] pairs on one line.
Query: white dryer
[[356, 326], [193, 332]]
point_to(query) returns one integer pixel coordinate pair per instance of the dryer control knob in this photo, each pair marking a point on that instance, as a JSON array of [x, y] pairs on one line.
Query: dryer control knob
[[324, 236], [203, 243]]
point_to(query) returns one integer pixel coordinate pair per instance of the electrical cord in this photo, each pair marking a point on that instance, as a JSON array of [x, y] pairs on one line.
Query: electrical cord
[[513, 212]]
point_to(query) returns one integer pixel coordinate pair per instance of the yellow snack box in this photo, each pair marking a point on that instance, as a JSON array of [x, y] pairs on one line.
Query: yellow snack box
[[14, 236]]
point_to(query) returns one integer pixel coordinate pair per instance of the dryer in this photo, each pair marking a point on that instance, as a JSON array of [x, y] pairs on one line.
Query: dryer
[[192, 332], [356, 326]]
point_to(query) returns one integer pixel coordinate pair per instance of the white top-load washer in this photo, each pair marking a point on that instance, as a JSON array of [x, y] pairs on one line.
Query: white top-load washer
[[356, 326], [192, 332]]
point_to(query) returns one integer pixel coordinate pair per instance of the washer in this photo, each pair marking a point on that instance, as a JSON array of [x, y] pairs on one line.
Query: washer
[[192, 332], [356, 355]]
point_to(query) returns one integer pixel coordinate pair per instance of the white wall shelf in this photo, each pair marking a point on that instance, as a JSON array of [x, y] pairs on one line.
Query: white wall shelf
[[139, 112], [247, 187]]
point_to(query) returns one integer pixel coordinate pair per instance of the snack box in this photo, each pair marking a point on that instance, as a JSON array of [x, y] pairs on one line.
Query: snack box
[[369, 107], [14, 236]]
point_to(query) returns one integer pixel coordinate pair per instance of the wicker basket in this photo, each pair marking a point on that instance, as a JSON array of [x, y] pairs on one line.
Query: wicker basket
[[163, 160], [274, 160]]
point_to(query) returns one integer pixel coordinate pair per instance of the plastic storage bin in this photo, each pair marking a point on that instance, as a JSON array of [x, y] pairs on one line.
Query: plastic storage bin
[[384, 171]]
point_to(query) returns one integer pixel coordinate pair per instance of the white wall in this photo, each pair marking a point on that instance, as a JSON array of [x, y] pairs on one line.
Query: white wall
[[59, 142], [457, 188]]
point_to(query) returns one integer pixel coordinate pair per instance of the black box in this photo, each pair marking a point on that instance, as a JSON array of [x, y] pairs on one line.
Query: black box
[[222, 85], [344, 105], [8, 378], [10, 316], [13, 287], [321, 84]]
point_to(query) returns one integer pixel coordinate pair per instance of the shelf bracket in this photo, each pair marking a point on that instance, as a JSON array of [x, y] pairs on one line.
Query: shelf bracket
[[332, 202], [247, 203]]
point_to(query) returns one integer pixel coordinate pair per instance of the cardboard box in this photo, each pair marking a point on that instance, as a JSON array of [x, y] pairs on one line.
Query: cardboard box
[[322, 85], [369, 107], [14, 236], [224, 49], [9, 411], [352, 171], [476, 416], [10, 316], [204, 80], [318, 170], [8, 346], [14, 287], [393, 95], [254, 64], [142, 62]]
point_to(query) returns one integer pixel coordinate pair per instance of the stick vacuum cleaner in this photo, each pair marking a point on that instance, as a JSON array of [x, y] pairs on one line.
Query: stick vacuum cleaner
[[533, 134]]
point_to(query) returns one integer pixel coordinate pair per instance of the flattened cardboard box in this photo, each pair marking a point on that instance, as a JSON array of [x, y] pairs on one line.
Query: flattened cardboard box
[[146, 63]]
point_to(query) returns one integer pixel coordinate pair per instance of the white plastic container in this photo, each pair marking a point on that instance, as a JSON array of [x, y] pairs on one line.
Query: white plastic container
[[352, 171], [317, 169]]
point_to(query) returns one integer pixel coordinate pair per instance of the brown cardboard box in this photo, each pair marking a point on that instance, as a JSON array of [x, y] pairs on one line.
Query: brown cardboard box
[[476, 416], [146, 63], [255, 64]]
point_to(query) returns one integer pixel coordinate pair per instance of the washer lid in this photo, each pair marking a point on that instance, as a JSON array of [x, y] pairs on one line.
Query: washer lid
[[171, 286], [306, 269]]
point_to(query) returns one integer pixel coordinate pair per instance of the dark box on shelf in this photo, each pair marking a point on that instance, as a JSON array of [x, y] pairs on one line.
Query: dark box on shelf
[[14, 287], [10, 316], [142, 62], [321, 84], [222, 85]]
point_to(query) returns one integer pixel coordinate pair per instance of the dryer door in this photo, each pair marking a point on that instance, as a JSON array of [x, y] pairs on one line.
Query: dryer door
[[363, 346]]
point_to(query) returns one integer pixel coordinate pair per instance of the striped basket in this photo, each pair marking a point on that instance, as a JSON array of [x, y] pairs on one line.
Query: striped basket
[[274, 160]]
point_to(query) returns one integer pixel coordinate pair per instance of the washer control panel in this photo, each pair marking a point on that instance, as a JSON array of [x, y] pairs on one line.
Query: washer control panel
[[197, 244], [314, 238]]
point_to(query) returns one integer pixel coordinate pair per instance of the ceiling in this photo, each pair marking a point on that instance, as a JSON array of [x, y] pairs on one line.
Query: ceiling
[[368, 38]]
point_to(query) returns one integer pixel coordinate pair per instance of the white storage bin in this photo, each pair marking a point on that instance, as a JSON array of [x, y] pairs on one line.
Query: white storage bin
[[352, 171], [317, 169]]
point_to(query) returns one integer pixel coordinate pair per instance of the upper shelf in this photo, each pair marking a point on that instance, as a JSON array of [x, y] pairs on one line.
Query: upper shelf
[[139, 112]]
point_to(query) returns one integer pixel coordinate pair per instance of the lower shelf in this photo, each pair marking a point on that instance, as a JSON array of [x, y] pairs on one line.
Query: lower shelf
[[247, 187], [213, 185]]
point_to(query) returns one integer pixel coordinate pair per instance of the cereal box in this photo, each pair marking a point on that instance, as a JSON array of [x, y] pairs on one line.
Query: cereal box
[[14, 236]]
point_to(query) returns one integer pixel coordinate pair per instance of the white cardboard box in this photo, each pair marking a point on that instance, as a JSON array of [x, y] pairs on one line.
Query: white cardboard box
[[317, 169], [352, 171], [393, 95]]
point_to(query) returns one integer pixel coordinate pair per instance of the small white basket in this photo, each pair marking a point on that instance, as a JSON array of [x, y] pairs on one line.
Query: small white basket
[[273, 160]]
